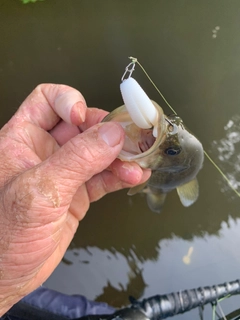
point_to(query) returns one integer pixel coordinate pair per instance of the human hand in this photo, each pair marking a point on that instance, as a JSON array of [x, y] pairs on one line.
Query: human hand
[[49, 174]]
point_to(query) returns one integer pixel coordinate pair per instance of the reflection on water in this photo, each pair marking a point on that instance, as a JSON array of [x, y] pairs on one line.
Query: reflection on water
[[112, 274], [187, 258], [114, 277], [229, 151]]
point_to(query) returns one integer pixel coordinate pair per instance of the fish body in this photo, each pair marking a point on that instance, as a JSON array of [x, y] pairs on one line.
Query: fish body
[[179, 160], [175, 157]]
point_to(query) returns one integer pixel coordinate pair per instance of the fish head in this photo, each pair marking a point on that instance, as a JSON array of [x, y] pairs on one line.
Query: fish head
[[180, 153], [180, 158]]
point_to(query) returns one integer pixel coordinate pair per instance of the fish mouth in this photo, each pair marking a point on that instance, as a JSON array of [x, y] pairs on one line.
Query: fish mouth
[[147, 140], [139, 143], [137, 140]]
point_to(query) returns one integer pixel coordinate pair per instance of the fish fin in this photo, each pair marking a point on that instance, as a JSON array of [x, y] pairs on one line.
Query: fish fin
[[155, 201], [137, 189], [188, 192]]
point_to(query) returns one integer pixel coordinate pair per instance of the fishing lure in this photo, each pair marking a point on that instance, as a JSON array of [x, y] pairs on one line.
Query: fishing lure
[[129, 69], [150, 119]]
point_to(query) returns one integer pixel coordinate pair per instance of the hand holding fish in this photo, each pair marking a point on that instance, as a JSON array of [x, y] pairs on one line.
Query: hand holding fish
[[56, 158]]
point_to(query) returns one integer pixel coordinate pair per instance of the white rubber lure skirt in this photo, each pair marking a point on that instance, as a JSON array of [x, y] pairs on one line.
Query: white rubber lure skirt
[[140, 108]]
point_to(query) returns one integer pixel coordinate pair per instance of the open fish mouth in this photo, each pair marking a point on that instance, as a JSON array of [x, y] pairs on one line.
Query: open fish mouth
[[146, 141], [139, 143]]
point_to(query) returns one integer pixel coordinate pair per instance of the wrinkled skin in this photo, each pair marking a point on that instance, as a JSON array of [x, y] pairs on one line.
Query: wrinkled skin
[[55, 159]]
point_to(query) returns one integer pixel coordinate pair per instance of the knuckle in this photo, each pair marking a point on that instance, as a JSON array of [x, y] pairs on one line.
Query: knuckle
[[102, 184], [83, 151]]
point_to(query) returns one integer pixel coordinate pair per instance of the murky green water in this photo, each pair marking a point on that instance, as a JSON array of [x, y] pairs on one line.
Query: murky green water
[[191, 50]]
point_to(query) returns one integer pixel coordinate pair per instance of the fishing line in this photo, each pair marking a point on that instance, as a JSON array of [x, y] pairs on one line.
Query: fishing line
[[214, 311], [134, 61], [221, 310]]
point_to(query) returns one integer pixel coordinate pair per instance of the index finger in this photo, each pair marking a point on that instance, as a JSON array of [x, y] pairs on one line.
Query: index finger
[[48, 103], [63, 131]]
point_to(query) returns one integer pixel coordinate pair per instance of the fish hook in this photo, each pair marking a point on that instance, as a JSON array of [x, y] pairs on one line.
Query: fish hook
[[174, 126]]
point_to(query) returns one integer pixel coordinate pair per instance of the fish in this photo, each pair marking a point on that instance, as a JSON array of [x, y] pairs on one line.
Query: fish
[[167, 147]]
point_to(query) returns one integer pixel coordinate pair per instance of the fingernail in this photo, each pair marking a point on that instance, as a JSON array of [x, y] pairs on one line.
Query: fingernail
[[111, 133], [66, 106], [81, 106]]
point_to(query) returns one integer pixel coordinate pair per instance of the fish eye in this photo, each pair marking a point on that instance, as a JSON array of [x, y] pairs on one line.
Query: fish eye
[[173, 151]]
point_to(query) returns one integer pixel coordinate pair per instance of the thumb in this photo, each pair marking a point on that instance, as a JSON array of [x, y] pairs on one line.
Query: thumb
[[57, 179]]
